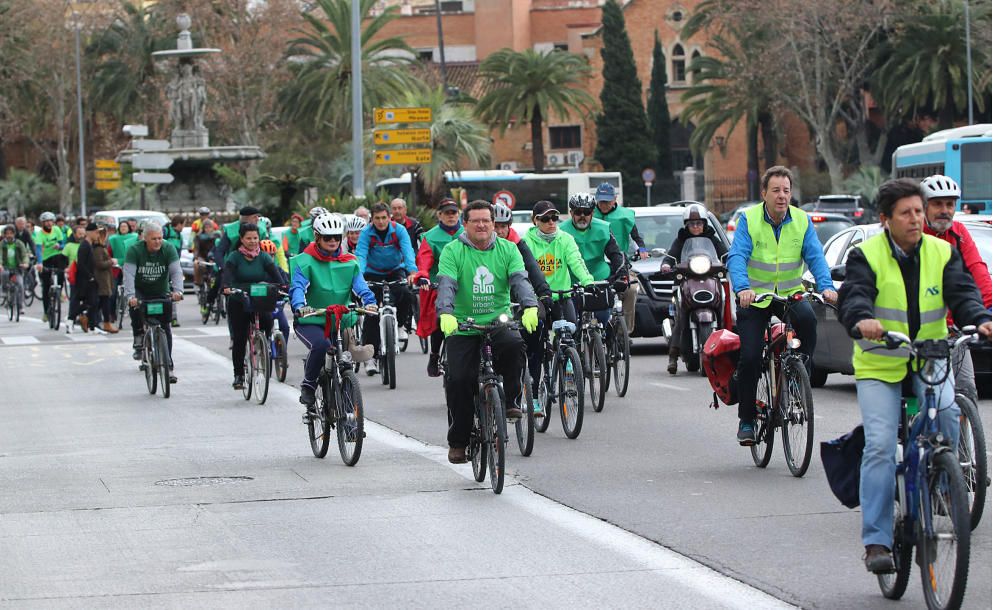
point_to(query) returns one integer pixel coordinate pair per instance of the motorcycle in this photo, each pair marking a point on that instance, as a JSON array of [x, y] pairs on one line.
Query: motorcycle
[[698, 289]]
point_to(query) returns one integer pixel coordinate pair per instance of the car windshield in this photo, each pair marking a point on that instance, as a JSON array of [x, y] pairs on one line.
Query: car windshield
[[837, 204], [827, 229], [983, 237], [658, 231]]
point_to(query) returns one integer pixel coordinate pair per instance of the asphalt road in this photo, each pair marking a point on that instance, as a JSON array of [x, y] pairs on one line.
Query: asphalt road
[[104, 503]]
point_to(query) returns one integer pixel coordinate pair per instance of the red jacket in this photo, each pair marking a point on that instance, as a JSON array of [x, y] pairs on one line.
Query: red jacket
[[959, 237]]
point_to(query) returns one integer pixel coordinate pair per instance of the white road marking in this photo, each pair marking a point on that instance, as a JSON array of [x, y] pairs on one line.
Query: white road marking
[[725, 591], [668, 386], [19, 340]]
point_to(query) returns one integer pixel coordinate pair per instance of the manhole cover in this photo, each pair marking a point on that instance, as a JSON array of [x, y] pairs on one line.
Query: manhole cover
[[202, 481]]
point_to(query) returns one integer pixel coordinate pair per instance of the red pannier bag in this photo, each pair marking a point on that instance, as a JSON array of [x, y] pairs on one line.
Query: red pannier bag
[[719, 360]]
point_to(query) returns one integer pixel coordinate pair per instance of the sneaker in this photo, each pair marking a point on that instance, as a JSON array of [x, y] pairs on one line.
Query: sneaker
[[745, 435], [513, 413], [401, 335], [370, 368], [672, 365], [238, 382], [434, 365], [456, 455], [307, 396], [172, 377], [137, 354], [539, 410], [878, 559], [45, 317]]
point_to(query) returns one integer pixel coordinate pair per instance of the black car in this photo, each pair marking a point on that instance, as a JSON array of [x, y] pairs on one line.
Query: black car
[[854, 207]]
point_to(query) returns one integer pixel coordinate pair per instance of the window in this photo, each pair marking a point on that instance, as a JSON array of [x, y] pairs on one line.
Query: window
[[977, 165], [677, 16], [695, 55], [425, 55], [451, 6], [835, 246], [561, 46], [679, 64], [564, 137]]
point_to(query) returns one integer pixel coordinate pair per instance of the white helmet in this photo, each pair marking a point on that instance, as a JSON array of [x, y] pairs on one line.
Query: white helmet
[[501, 213], [939, 186], [264, 220], [355, 223], [47, 216], [695, 211], [316, 212], [328, 224]]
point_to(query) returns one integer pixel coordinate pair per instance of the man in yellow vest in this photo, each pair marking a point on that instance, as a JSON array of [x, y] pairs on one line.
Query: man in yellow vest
[[772, 245], [900, 280]]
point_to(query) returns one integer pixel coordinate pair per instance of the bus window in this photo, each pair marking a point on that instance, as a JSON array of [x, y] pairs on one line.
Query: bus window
[[595, 182], [977, 163]]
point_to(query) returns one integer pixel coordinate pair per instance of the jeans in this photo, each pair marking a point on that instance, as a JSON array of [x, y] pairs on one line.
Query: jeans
[[751, 322], [965, 377], [880, 409], [314, 338]]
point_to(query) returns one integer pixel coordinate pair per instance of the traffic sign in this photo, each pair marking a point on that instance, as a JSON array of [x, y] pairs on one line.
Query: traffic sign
[[504, 197], [402, 136], [408, 156], [402, 115], [108, 174], [152, 178], [152, 161], [107, 185], [648, 175], [150, 144], [106, 164]]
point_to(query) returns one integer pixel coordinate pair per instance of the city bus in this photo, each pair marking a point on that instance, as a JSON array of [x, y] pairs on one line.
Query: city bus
[[963, 154], [526, 188]]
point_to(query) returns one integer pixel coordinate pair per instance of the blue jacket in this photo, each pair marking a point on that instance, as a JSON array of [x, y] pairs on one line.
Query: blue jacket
[[383, 257], [739, 254]]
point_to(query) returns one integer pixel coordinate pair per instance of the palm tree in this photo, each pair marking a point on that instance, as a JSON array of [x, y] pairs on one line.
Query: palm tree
[[287, 185], [527, 86], [319, 96], [23, 190]]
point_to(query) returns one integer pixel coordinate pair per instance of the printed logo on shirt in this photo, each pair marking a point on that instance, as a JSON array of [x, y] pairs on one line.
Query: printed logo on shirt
[[932, 291], [548, 264], [482, 281]]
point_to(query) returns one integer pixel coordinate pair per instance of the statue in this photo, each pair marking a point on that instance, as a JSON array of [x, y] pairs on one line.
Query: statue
[[186, 93]]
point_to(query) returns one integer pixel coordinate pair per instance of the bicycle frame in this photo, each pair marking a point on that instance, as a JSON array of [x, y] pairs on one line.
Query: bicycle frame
[[387, 310]]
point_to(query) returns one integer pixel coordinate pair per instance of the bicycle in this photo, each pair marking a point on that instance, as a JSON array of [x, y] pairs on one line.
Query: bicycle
[[784, 396], [930, 489], [594, 356], [54, 297], [387, 332], [279, 347], [972, 447], [618, 349], [14, 297], [566, 386], [155, 363], [30, 282], [207, 309], [120, 301], [488, 441], [338, 397], [257, 359], [415, 299]]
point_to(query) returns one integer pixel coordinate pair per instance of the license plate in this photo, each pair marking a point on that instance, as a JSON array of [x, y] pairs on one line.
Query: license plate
[[154, 309], [258, 290]]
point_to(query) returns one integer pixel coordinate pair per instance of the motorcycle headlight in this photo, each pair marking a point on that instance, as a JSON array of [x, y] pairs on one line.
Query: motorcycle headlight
[[700, 265]]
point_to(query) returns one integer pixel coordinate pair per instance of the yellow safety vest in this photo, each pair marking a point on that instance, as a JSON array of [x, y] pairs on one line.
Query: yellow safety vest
[[776, 266]]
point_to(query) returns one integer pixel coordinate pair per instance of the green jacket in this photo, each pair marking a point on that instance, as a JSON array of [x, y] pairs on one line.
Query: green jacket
[[622, 221], [592, 243], [13, 254], [557, 258]]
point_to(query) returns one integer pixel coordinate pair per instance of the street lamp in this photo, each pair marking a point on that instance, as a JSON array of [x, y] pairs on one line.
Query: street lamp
[[79, 118]]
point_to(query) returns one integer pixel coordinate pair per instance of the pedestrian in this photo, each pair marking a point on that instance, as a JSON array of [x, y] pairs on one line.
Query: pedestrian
[[84, 297], [104, 277], [291, 241]]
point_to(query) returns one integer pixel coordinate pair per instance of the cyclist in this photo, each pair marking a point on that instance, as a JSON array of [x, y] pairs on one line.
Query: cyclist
[[624, 229], [941, 193], [476, 275], [353, 226], [152, 269], [230, 241], [413, 227], [599, 250], [24, 235], [249, 264], [291, 241], [385, 254], [501, 224], [203, 215], [324, 275], [557, 256], [50, 245], [771, 247], [172, 233], [432, 242], [695, 225], [14, 259], [899, 280]]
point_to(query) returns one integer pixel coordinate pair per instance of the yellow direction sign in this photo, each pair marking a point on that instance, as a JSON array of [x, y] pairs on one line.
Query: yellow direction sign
[[106, 164], [107, 185], [108, 174], [402, 136], [414, 156], [402, 115]]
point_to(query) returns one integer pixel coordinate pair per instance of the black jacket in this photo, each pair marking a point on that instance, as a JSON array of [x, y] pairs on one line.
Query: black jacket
[[856, 297], [683, 235], [535, 275]]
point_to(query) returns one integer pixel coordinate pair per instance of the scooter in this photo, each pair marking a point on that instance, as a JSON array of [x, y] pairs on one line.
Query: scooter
[[698, 288]]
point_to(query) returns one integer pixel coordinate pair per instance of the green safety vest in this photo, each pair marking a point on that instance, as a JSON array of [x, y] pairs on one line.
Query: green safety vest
[[622, 221], [120, 244], [330, 283], [592, 243], [437, 238], [70, 250], [891, 306], [776, 266]]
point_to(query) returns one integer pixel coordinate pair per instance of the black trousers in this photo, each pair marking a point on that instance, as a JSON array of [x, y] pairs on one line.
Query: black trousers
[[137, 315], [401, 296], [461, 381], [750, 325], [562, 309], [239, 328]]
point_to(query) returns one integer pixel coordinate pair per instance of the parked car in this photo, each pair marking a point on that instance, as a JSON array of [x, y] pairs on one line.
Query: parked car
[[855, 207], [734, 217], [828, 225], [112, 218]]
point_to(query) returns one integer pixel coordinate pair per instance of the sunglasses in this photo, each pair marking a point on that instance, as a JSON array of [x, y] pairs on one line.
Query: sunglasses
[[329, 237], [548, 218], [583, 212]]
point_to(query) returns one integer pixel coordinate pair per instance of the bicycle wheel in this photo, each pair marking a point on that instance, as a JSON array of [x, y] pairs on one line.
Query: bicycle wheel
[[571, 393], [319, 423], [620, 354], [280, 354], [163, 361], [248, 376], [389, 353], [19, 299], [894, 585], [597, 374], [55, 307], [261, 367], [11, 305], [350, 418], [220, 306], [525, 428], [149, 364], [477, 452], [203, 308], [763, 426], [121, 307], [29, 288], [495, 441], [972, 457], [943, 539], [545, 398], [796, 418]]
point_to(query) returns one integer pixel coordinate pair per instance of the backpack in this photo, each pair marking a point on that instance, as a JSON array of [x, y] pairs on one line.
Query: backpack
[[719, 360]]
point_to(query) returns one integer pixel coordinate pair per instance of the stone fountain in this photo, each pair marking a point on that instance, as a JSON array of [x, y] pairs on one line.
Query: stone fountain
[[195, 184]]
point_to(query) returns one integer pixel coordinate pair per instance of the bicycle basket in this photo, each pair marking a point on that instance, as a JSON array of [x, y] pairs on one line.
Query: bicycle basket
[[842, 464], [263, 297], [719, 359], [153, 309]]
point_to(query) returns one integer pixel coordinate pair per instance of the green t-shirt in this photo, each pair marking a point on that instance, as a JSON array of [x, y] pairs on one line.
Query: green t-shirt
[[483, 278], [249, 272], [556, 259], [152, 269], [70, 250], [49, 242]]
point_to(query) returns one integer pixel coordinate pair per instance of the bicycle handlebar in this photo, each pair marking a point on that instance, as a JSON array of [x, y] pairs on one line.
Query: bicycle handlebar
[[501, 322], [798, 296], [894, 339], [307, 312]]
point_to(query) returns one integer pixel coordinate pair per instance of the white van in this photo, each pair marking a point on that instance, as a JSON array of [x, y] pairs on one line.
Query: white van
[[112, 218]]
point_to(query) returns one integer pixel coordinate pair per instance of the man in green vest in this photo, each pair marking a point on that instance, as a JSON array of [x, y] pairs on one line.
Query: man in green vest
[[622, 221], [432, 242], [900, 280], [772, 245], [599, 250], [230, 241]]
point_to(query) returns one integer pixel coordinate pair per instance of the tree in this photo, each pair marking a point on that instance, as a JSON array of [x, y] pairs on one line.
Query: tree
[[319, 96], [624, 140], [659, 118], [528, 86], [22, 191]]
